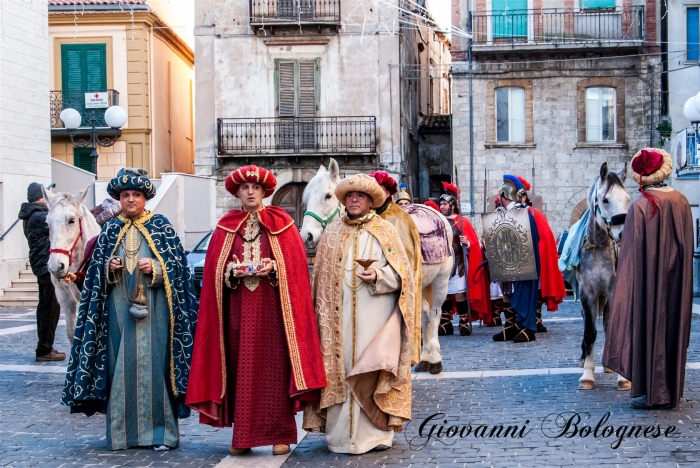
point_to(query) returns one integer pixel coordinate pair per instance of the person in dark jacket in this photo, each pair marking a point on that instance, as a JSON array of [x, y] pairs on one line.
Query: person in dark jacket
[[33, 215]]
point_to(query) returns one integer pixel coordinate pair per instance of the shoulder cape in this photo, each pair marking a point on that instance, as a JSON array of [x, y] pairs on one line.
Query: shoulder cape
[[551, 279], [208, 382], [86, 387]]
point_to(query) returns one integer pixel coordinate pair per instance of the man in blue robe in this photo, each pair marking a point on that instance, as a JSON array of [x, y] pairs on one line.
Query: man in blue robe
[[130, 358]]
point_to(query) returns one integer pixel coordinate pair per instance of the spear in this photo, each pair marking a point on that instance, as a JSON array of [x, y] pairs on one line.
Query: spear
[[464, 253]]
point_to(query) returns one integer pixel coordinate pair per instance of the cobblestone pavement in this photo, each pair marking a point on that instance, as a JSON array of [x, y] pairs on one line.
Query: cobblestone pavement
[[36, 430]]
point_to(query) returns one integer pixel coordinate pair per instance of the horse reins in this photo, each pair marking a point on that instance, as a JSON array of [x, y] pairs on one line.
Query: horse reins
[[615, 220], [324, 222], [72, 249]]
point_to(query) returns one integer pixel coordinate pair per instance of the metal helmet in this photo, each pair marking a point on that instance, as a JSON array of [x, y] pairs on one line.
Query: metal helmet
[[508, 191], [449, 198]]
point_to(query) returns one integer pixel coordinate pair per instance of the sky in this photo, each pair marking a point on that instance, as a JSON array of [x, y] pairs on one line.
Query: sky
[[440, 10]]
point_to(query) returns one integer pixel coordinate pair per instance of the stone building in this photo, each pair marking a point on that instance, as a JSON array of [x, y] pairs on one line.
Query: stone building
[[558, 88], [683, 82], [25, 142], [139, 53], [290, 84]]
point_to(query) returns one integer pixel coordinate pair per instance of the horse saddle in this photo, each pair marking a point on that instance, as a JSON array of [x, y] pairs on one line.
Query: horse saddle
[[509, 245], [434, 245]]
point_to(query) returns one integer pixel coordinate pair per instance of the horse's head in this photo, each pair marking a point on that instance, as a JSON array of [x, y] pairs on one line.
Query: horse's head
[[64, 220], [321, 203], [609, 201]]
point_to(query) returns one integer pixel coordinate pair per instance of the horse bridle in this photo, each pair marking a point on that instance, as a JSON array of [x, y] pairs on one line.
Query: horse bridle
[[324, 222], [615, 220], [72, 249]]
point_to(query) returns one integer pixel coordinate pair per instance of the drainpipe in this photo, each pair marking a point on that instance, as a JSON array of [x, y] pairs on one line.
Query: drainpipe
[[471, 115]]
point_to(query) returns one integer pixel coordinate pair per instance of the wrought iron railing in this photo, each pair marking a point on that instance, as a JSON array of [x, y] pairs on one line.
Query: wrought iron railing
[[76, 99], [557, 25], [297, 135], [294, 11]]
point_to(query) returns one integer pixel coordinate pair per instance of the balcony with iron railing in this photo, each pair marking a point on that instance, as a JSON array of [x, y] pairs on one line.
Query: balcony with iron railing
[[77, 100], [557, 27], [294, 12], [297, 136]]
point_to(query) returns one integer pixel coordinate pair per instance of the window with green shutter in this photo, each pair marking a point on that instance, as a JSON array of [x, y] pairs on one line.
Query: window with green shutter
[[83, 69], [596, 4], [82, 158], [297, 88]]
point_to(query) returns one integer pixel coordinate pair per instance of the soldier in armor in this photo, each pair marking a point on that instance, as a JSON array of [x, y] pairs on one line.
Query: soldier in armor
[[552, 290], [403, 197], [519, 297], [464, 285]]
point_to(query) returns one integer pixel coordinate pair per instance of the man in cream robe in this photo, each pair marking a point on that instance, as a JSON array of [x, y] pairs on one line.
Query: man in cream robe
[[365, 319]]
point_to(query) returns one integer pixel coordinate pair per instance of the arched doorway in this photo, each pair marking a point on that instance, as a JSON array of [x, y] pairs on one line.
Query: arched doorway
[[289, 199]]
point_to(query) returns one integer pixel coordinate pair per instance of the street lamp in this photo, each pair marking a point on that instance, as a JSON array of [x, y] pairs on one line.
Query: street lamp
[[114, 116]]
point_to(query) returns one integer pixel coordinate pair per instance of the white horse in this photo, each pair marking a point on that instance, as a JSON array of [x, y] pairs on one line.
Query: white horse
[[71, 226], [322, 207], [608, 202]]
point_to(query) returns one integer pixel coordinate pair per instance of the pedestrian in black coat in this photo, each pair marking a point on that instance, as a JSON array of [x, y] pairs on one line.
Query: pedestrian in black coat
[[33, 215]]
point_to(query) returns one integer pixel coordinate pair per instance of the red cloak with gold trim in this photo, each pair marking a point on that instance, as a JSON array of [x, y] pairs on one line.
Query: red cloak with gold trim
[[207, 384], [551, 279]]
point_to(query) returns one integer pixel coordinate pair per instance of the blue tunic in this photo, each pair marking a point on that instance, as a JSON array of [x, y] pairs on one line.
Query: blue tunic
[[141, 411]]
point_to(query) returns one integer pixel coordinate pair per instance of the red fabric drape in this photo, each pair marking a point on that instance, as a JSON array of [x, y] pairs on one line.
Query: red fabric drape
[[479, 299], [551, 279]]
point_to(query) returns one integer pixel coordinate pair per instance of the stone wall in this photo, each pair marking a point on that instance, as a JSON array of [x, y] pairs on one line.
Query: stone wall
[[559, 165]]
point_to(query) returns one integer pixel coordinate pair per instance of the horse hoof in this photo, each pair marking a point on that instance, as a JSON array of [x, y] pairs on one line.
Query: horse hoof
[[585, 384], [435, 368], [624, 386], [580, 363], [607, 370], [421, 367]]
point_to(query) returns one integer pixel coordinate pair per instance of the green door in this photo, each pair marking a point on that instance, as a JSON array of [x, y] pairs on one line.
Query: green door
[[83, 70], [509, 18], [82, 158]]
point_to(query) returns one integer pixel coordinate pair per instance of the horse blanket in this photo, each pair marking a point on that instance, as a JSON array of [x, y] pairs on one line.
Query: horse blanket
[[434, 244]]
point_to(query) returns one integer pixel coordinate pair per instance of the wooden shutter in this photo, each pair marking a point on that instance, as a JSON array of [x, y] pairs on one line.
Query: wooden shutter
[[596, 4], [286, 89], [84, 67], [692, 34], [82, 158], [307, 88]]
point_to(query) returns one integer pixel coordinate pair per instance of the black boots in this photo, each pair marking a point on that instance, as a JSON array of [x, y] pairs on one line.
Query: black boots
[[496, 309], [540, 326], [524, 336], [510, 328], [446, 327], [464, 325]]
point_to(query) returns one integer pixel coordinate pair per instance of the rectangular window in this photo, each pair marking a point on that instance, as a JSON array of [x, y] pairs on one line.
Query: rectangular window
[[509, 19], [82, 158], [600, 114], [510, 115], [692, 34], [84, 67], [297, 96], [596, 4]]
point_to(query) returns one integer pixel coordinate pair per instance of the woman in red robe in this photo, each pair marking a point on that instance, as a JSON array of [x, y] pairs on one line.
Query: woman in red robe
[[257, 356]]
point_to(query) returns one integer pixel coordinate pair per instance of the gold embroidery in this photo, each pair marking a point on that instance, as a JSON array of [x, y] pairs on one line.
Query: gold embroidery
[[286, 304], [251, 250], [218, 285], [132, 243]]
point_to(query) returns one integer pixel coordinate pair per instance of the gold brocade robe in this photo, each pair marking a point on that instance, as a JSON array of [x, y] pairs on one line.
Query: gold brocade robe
[[410, 239], [385, 395]]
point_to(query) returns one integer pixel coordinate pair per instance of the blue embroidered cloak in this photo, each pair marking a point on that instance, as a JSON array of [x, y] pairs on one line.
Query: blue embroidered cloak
[[87, 385]]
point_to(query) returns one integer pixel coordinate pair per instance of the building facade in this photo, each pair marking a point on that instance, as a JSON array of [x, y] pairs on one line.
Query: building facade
[[558, 87], [25, 142], [291, 84], [683, 83], [140, 53]]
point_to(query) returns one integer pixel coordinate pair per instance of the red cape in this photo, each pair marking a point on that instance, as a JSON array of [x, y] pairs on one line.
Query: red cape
[[207, 383], [479, 296], [551, 279]]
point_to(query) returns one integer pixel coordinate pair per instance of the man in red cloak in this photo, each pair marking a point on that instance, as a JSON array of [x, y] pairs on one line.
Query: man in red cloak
[[552, 290], [465, 242], [257, 356]]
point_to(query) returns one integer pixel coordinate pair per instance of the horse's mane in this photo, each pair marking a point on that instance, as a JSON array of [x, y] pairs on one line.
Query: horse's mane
[[611, 180]]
